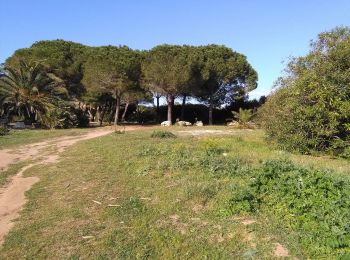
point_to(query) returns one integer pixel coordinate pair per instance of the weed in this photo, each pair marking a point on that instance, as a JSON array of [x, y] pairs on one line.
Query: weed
[[220, 165], [162, 134]]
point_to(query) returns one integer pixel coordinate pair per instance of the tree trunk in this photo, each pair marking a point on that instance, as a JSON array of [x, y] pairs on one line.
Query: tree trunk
[[210, 111], [117, 109], [91, 117], [103, 113], [98, 113], [125, 110], [111, 108], [182, 117], [170, 100], [158, 115]]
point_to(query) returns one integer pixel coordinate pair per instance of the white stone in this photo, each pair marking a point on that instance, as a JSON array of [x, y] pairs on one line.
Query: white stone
[[233, 123], [166, 123], [183, 123]]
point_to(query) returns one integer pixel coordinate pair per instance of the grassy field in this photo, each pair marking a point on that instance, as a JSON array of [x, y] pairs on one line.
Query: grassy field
[[130, 196], [28, 136]]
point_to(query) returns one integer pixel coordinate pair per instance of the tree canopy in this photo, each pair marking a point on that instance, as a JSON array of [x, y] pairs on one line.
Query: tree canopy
[[60, 59], [225, 74], [100, 81], [115, 70], [215, 74], [167, 71]]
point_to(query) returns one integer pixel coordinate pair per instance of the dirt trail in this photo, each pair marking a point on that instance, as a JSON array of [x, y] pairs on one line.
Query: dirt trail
[[12, 197]]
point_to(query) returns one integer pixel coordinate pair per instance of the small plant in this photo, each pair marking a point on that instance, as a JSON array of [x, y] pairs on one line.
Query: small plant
[[346, 153], [4, 131], [162, 134], [211, 146], [243, 115], [243, 200]]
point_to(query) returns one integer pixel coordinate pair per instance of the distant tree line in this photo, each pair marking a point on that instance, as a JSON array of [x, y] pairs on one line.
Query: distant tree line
[[62, 84]]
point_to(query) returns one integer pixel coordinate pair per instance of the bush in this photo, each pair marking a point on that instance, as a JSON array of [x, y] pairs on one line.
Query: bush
[[162, 134], [313, 203], [64, 116], [4, 131], [310, 110]]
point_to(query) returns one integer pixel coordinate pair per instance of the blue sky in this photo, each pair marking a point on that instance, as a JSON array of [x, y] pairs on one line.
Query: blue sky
[[267, 32]]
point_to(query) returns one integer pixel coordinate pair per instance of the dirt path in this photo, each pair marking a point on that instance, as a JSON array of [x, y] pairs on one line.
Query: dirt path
[[12, 197]]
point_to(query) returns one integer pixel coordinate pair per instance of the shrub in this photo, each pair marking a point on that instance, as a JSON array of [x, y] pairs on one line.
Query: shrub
[[64, 116], [162, 134], [243, 200], [4, 131], [309, 111]]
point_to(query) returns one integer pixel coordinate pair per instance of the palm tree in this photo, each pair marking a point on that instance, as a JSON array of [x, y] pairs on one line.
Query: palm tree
[[243, 116], [26, 91]]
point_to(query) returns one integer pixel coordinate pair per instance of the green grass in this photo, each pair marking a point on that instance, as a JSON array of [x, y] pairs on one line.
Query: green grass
[[12, 170], [28, 136], [131, 196]]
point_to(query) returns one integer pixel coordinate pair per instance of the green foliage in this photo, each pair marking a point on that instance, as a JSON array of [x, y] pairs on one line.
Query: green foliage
[[63, 116], [310, 110], [4, 131], [162, 134], [313, 203], [243, 200]]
